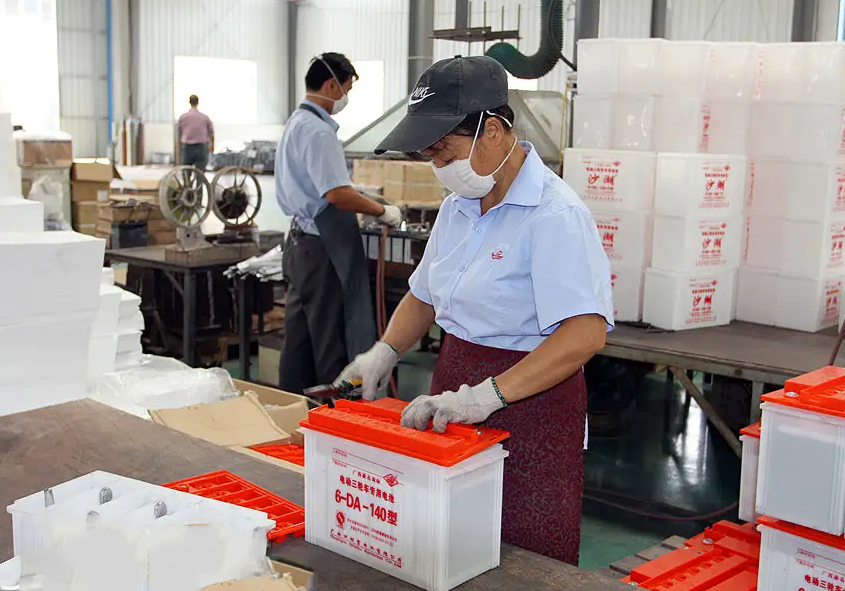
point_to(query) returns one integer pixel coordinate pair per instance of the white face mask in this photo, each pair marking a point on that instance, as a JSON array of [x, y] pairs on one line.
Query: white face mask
[[459, 177], [339, 104]]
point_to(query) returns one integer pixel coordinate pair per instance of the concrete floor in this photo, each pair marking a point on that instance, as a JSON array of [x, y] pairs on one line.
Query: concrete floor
[[666, 455]]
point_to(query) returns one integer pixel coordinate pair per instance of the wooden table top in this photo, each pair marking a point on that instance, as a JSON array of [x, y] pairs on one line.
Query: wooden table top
[[45, 447]]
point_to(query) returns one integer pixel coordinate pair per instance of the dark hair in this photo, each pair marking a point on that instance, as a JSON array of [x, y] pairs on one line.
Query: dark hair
[[469, 125], [194, 100], [318, 73]]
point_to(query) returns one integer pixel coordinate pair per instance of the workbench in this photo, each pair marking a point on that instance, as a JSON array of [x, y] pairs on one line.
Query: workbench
[[183, 276], [48, 446]]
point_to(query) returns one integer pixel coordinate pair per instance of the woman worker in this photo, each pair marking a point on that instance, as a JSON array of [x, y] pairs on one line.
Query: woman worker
[[515, 273]]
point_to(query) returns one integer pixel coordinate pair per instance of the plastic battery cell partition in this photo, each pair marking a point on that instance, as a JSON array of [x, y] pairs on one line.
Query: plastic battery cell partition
[[794, 558], [611, 180], [688, 243], [680, 301], [420, 506], [750, 437], [801, 476], [699, 183]]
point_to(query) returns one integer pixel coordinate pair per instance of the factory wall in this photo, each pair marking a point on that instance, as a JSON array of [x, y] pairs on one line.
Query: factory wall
[[252, 30]]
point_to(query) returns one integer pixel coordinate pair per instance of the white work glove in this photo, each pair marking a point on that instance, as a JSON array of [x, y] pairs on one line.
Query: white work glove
[[373, 367], [467, 405], [392, 216]]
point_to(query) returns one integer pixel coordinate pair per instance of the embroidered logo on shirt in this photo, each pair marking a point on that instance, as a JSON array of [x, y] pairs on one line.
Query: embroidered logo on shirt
[[497, 255]]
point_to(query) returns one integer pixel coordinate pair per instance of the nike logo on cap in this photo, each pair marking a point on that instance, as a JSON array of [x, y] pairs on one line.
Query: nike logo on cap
[[419, 95]]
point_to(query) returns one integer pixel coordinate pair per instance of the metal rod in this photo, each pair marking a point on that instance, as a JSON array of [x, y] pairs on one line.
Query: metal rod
[[189, 319], [244, 327], [709, 411]]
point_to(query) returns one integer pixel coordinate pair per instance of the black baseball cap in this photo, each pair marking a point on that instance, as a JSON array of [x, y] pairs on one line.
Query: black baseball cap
[[447, 92]]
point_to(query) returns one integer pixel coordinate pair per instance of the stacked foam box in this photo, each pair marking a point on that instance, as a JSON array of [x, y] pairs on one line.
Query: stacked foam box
[[104, 531], [47, 305], [116, 335], [796, 203], [130, 325]]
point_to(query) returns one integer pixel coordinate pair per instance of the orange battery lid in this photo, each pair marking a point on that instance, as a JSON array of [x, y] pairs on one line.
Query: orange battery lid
[[744, 581], [732, 538], [825, 397], [814, 378], [800, 531], [378, 424], [677, 559], [752, 430], [707, 571]]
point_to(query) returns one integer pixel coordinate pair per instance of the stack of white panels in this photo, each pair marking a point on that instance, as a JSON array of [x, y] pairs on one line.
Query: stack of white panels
[[47, 311], [21, 215], [130, 325], [618, 187], [10, 173]]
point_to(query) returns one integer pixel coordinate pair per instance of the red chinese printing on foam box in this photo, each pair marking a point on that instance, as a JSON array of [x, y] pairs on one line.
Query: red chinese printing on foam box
[[689, 243], [679, 301], [626, 237], [688, 184], [611, 180]]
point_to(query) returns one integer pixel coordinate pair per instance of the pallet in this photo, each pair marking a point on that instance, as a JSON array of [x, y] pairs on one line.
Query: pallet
[[623, 567]]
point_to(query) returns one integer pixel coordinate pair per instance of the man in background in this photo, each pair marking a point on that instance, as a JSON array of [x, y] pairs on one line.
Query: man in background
[[196, 134]]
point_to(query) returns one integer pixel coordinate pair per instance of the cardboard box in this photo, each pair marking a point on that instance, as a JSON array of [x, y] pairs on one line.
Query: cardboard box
[[42, 151], [287, 410], [84, 191], [126, 211], [85, 214], [411, 183], [300, 578], [368, 172], [95, 170]]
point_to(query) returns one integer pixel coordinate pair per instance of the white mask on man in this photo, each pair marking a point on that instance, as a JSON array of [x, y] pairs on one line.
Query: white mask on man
[[339, 104], [459, 177]]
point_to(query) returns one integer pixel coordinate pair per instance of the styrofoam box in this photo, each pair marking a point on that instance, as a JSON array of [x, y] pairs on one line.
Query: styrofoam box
[[800, 132], [679, 301], [699, 183], [108, 276], [626, 237], [801, 478], [129, 341], [684, 67], [756, 299], [128, 359], [102, 352], [802, 72], [448, 520], [21, 215], [696, 242], [693, 125], [34, 393], [618, 122], [611, 180], [787, 561], [63, 542], [132, 321], [748, 477], [52, 272], [129, 303], [801, 191], [733, 71], [808, 305], [108, 311], [798, 249], [627, 285], [609, 66]]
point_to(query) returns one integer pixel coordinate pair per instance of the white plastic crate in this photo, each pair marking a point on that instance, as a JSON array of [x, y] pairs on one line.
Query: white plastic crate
[[627, 285], [798, 249], [104, 531], [680, 301], [608, 66], [613, 122], [432, 526], [733, 71], [800, 191], [694, 125], [795, 131], [802, 72], [696, 243], [801, 478], [795, 558], [756, 299], [626, 237], [699, 183], [750, 439], [611, 180]]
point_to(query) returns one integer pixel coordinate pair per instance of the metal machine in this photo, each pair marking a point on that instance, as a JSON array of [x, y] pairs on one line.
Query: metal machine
[[187, 198]]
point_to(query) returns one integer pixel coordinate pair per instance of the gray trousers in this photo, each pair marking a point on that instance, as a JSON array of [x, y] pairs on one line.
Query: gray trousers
[[195, 155]]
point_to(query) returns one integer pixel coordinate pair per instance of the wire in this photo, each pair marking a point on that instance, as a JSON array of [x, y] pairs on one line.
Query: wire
[[685, 519]]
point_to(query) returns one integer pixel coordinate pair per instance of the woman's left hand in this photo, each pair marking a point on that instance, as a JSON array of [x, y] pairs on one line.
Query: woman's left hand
[[470, 404]]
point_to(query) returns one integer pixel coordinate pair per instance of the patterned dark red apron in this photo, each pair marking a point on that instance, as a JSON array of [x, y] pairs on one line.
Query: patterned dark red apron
[[544, 474]]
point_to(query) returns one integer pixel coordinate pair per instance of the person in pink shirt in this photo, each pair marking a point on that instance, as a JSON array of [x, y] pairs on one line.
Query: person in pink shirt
[[196, 134]]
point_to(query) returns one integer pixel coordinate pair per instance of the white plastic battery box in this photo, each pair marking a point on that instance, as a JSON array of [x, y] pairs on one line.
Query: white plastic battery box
[[423, 507], [750, 438], [801, 476], [793, 557]]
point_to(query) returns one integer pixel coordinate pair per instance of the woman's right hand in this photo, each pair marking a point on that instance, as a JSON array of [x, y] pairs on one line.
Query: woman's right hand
[[373, 367]]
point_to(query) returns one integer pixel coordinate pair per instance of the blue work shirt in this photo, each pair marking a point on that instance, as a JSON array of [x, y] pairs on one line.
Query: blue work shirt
[[309, 164], [507, 279]]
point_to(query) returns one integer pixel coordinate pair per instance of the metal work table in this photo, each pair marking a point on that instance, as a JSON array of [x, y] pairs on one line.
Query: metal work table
[[51, 445], [153, 257]]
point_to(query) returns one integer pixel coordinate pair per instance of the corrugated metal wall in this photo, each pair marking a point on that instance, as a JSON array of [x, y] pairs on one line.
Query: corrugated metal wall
[[518, 14], [232, 29], [81, 26], [628, 18], [359, 29], [730, 20]]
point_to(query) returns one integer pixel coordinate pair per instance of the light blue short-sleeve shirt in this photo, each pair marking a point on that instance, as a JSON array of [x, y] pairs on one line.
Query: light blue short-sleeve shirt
[[507, 279], [309, 164]]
